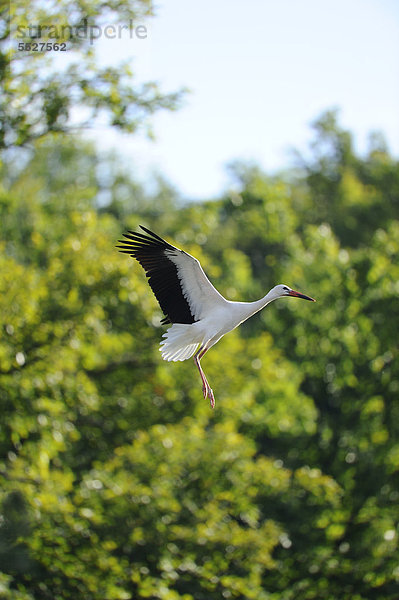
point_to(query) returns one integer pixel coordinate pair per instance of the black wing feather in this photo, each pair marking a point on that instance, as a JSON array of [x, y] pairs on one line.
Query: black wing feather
[[149, 251]]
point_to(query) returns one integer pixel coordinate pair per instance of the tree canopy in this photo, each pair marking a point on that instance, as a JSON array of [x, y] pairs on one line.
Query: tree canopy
[[41, 91], [118, 481]]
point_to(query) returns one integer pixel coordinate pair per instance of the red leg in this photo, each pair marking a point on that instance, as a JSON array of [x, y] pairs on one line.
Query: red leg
[[201, 372], [206, 388]]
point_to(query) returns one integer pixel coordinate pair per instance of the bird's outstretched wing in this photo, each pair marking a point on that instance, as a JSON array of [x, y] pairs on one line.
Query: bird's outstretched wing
[[181, 287]]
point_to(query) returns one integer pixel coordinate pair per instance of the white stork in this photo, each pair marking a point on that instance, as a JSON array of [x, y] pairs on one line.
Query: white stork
[[200, 316]]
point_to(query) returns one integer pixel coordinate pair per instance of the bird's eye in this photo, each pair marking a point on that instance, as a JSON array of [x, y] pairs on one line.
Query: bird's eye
[[285, 288]]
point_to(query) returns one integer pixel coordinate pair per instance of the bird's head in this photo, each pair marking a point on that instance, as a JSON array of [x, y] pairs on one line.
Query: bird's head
[[281, 290]]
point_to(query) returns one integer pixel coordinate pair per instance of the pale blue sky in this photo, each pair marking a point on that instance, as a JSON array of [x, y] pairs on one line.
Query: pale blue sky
[[259, 72]]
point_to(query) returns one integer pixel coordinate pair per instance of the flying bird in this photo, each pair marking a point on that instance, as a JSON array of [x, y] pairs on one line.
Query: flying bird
[[199, 315]]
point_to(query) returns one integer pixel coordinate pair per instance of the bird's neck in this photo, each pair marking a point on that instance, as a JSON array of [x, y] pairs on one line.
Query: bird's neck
[[250, 308], [259, 304]]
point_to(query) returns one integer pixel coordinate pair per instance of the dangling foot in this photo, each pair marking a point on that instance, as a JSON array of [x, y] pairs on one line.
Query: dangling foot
[[206, 388], [211, 398]]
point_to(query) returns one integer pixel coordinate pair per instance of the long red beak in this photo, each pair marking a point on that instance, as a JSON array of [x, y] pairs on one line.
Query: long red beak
[[299, 295]]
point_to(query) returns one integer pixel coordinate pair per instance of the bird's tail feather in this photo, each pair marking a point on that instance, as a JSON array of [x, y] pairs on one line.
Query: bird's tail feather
[[178, 343]]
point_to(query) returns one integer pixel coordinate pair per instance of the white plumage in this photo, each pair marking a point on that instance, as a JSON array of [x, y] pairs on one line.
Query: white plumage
[[199, 314]]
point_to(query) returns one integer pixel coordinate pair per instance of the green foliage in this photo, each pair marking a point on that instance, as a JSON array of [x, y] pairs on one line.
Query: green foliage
[[40, 91], [352, 194], [117, 479]]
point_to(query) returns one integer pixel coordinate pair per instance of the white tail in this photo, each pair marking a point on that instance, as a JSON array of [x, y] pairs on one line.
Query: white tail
[[175, 346]]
